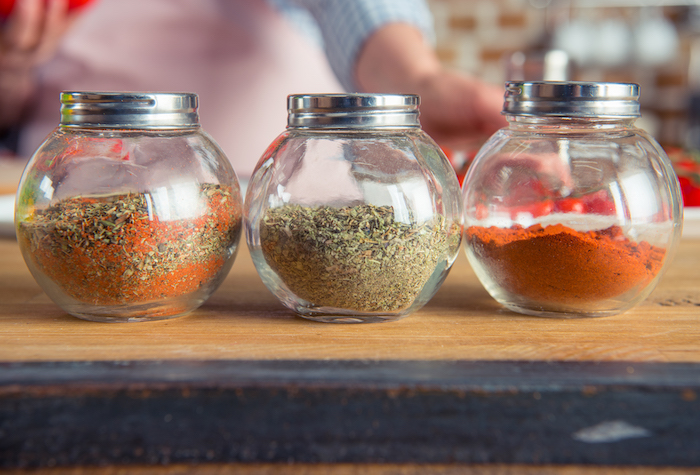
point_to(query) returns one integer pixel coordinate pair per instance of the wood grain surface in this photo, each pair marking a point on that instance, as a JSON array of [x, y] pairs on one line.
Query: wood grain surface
[[171, 412], [501, 393], [362, 469], [243, 320]]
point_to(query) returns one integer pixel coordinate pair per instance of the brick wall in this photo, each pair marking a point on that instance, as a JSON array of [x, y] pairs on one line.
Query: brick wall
[[506, 39]]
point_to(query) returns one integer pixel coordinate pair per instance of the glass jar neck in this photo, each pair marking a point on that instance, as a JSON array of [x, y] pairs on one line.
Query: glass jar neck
[[555, 124]]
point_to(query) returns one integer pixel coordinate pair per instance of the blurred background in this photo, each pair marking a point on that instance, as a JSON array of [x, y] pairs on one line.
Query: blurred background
[[654, 43]]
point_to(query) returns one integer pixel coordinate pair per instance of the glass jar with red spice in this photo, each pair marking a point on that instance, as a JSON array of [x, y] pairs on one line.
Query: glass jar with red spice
[[571, 210], [353, 213], [128, 211]]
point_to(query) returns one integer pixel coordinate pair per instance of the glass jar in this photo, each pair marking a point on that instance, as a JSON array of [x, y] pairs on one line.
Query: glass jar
[[353, 213], [128, 211], [571, 210]]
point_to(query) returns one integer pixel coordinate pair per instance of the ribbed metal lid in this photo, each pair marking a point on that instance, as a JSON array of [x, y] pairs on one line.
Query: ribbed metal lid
[[571, 99], [129, 110], [353, 110]]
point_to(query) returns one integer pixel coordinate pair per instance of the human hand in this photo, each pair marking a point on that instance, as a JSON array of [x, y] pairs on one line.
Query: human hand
[[32, 32], [457, 110], [28, 37]]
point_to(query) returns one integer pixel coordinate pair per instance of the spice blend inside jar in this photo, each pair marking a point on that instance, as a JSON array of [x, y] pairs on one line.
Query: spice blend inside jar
[[112, 250], [356, 257], [557, 264]]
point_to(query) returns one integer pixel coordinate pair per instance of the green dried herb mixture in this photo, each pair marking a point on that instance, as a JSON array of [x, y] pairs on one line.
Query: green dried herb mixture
[[358, 257]]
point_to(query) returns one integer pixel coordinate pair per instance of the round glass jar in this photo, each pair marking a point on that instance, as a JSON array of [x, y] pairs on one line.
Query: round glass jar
[[128, 211], [353, 213], [571, 210]]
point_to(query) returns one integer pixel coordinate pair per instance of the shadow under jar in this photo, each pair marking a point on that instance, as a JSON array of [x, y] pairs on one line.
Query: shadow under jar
[[128, 211], [353, 213], [571, 210]]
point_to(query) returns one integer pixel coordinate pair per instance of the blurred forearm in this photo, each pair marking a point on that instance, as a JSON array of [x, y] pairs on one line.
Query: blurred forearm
[[454, 106], [29, 37], [16, 88], [395, 59]]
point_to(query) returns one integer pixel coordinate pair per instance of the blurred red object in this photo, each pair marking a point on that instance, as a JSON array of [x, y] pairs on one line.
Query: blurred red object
[[460, 160], [531, 198], [6, 6], [686, 164]]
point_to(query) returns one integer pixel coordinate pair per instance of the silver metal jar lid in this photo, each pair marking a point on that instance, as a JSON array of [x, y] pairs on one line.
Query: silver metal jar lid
[[571, 99], [353, 111], [143, 110]]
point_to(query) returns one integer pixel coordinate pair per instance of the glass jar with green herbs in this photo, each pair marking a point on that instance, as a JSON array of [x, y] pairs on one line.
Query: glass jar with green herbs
[[353, 213]]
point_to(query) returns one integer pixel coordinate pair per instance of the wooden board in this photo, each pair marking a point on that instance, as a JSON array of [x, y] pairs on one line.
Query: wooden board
[[359, 469], [460, 385], [349, 411], [243, 320]]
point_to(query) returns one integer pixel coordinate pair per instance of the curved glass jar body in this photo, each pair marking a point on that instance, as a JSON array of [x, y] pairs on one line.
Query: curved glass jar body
[[570, 216], [354, 223], [122, 223]]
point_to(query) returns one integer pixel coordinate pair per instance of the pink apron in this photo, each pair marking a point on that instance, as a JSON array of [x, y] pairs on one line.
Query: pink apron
[[241, 56]]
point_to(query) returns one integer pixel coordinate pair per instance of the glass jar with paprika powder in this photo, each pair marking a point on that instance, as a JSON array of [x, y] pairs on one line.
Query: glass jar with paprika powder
[[353, 213], [128, 211], [571, 210]]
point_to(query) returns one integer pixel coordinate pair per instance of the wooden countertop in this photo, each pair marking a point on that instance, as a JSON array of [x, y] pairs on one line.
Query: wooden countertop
[[461, 384], [243, 320]]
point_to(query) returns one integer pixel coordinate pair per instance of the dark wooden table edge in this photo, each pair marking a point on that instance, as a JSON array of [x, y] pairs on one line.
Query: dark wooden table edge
[[484, 375], [349, 411]]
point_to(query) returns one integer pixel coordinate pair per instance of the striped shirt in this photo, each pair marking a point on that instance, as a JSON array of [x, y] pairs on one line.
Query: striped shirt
[[342, 26]]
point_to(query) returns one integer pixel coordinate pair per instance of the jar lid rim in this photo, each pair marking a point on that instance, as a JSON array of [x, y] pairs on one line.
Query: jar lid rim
[[129, 109], [352, 110], [571, 99]]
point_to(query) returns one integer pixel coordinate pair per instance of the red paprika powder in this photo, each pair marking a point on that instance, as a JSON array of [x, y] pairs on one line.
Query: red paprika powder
[[557, 264]]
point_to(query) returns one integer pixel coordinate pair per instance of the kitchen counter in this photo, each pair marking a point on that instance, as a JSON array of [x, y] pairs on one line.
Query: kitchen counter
[[242, 385], [461, 386]]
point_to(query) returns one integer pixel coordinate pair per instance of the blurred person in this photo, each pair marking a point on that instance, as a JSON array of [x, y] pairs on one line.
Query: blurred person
[[242, 57]]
